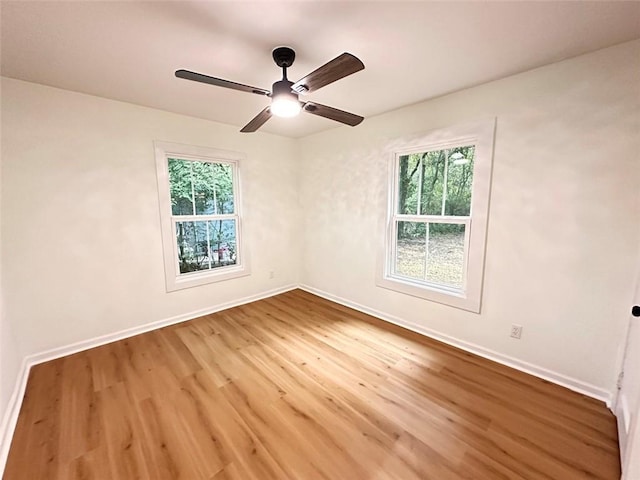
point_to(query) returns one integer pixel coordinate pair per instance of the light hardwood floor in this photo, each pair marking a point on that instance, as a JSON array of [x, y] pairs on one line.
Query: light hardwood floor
[[296, 387]]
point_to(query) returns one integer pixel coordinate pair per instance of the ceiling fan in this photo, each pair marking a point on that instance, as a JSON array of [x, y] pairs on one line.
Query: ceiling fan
[[284, 93]]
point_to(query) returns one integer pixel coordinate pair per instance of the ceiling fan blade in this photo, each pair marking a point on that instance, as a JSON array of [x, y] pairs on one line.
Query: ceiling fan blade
[[340, 67], [257, 121], [219, 82], [332, 113]]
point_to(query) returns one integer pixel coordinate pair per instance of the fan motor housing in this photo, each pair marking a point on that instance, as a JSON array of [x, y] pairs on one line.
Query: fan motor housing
[[282, 87]]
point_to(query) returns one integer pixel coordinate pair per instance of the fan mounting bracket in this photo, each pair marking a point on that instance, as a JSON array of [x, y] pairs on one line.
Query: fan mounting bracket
[[284, 56]]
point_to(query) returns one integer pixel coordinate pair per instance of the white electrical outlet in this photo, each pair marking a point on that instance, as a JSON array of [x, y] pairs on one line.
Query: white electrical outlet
[[516, 331], [272, 274]]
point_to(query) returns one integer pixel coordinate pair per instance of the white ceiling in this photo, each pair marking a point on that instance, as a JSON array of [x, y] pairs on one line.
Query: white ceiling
[[412, 51]]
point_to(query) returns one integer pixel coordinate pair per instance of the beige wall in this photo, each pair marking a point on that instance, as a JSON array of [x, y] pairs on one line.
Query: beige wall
[[81, 247], [10, 356], [564, 234]]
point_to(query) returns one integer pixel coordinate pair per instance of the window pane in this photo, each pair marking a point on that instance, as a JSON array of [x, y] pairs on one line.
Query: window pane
[[207, 185], [408, 184], [181, 187], [432, 174], [222, 241], [203, 187], [411, 250], [445, 255], [459, 181], [436, 182], [192, 246], [430, 252], [223, 174], [206, 245]]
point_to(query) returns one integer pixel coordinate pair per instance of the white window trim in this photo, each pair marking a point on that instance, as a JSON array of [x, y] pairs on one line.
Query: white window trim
[[174, 279], [481, 134]]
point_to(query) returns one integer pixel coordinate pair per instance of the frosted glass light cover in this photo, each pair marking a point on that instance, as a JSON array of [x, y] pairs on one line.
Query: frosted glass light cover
[[285, 107]]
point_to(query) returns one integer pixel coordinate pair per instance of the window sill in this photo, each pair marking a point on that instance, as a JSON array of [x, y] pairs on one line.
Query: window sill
[[457, 299], [202, 278]]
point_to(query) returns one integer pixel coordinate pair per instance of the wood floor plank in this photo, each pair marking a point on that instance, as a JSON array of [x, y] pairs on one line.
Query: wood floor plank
[[166, 457], [244, 453], [122, 433], [179, 357], [268, 427], [79, 430], [296, 387], [93, 465]]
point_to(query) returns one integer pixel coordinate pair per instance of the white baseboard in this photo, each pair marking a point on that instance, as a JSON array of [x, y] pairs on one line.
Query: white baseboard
[[554, 377], [15, 402], [10, 417]]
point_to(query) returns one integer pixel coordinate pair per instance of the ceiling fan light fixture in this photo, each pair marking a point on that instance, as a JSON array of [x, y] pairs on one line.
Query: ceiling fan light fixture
[[284, 93], [284, 102], [285, 105]]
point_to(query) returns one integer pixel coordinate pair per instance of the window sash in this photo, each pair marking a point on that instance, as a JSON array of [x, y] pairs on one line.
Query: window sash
[[205, 218], [467, 142], [193, 158], [392, 258]]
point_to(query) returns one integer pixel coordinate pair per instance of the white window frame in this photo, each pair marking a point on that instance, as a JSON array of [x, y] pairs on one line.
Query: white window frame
[[174, 279], [481, 135]]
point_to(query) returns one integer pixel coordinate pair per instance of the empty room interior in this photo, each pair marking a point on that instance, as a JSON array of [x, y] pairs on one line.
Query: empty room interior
[[320, 240]]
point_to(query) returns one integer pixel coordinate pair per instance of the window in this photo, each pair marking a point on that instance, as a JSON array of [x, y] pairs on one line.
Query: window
[[437, 218], [200, 215]]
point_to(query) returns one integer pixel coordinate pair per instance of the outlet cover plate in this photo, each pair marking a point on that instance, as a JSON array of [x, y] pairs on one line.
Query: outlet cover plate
[[516, 331]]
